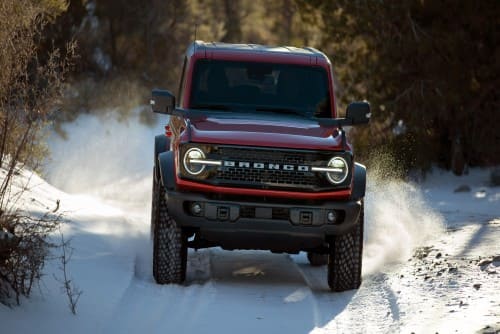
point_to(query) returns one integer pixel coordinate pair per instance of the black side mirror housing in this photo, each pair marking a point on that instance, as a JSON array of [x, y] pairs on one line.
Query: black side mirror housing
[[358, 113], [162, 101]]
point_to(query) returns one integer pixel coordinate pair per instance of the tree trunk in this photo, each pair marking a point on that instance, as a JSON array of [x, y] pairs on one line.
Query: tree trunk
[[232, 24]]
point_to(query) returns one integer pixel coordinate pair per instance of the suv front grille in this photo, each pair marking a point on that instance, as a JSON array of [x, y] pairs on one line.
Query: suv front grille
[[256, 172], [267, 177]]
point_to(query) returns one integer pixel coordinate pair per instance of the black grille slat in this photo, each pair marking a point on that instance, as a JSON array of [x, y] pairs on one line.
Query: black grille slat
[[269, 156], [266, 178], [277, 213], [281, 213], [247, 212]]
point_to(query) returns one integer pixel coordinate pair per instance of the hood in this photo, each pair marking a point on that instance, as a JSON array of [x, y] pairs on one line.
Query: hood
[[268, 130]]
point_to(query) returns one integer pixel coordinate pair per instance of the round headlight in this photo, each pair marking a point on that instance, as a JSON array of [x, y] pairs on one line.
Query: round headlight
[[339, 170], [193, 154]]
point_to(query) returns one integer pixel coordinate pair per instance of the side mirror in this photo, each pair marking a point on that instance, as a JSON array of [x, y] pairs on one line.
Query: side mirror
[[162, 101], [358, 113]]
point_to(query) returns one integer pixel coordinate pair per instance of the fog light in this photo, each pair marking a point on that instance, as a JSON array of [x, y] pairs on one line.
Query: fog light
[[196, 209], [331, 216]]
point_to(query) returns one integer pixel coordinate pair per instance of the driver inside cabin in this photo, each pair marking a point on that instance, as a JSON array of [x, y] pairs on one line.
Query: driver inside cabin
[[224, 85]]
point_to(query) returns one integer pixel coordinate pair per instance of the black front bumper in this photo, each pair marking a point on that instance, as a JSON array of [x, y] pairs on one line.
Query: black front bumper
[[262, 225]]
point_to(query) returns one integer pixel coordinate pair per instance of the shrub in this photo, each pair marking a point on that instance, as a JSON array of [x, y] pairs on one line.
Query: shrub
[[30, 86]]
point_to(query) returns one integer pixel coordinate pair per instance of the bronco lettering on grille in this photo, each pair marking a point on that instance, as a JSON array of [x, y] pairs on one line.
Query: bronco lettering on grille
[[261, 165]]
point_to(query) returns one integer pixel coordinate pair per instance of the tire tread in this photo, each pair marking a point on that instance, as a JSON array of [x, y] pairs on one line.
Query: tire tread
[[345, 260], [169, 241]]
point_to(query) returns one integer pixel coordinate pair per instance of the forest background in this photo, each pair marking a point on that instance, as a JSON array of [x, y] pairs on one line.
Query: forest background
[[430, 69]]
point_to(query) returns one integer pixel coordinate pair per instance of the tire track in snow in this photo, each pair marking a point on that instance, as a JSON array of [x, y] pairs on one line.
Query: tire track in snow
[[170, 308], [315, 279], [245, 292], [347, 311]]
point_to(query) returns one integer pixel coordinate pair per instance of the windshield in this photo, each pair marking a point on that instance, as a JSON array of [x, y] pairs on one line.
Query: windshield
[[229, 85]]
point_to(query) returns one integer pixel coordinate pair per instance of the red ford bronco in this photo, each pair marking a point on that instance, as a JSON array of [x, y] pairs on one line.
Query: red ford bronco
[[254, 157]]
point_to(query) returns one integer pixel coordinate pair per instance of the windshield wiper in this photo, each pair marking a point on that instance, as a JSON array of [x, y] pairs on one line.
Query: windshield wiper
[[211, 107], [337, 122], [282, 110]]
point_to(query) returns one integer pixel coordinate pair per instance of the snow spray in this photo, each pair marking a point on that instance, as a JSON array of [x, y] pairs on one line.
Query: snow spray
[[397, 218], [105, 156]]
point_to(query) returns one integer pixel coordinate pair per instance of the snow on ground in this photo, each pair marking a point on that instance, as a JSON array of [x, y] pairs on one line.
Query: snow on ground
[[429, 262]]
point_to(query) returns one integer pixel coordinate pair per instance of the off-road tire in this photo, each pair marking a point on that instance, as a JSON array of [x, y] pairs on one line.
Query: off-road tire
[[169, 241], [344, 263], [317, 259]]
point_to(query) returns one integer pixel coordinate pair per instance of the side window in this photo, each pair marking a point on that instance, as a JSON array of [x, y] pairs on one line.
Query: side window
[[181, 85]]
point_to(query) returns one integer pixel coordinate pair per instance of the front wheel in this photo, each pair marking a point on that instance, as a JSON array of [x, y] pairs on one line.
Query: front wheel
[[169, 241], [346, 252]]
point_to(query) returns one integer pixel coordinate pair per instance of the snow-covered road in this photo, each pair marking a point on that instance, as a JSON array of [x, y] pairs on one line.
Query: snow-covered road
[[429, 262]]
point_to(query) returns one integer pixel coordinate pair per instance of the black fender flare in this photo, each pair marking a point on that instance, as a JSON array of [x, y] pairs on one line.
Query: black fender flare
[[359, 184], [167, 169], [162, 144]]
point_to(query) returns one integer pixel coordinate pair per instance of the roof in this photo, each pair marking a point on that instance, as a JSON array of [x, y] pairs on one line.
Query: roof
[[257, 52]]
